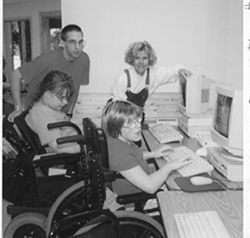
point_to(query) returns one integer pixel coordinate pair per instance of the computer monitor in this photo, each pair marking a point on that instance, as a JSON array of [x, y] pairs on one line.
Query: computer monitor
[[196, 94], [227, 124]]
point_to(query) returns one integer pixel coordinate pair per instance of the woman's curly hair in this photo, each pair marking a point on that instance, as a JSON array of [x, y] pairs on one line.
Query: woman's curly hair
[[133, 49]]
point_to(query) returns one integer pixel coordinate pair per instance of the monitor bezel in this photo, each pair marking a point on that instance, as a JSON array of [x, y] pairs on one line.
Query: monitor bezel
[[233, 144]]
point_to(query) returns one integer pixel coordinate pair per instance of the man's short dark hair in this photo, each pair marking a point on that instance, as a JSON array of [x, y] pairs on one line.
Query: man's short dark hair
[[69, 28]]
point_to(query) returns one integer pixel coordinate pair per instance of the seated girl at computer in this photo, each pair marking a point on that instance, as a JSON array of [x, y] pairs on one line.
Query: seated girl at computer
[[52, 95], [121, 122]]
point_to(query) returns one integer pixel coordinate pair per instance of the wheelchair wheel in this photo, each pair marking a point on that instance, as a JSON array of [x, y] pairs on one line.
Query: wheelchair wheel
[[135, 224], [70, 202], [131, 225], [28, 224]]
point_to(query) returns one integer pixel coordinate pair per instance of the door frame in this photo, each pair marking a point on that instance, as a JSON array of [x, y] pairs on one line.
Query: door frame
[[44, 28]]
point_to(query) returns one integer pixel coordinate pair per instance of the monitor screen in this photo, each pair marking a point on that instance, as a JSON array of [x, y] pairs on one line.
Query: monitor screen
[[227, 126], [222, 111], [183, 84]]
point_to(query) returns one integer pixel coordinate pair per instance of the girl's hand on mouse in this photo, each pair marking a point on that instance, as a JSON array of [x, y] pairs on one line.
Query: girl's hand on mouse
[[176, 164], [163, 151]]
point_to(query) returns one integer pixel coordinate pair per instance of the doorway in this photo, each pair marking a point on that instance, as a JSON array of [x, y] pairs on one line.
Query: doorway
[[16, 43], [50, 28]]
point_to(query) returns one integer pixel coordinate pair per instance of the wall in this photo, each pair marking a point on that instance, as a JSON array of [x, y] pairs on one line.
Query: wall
[[30, 9], [202, 35]]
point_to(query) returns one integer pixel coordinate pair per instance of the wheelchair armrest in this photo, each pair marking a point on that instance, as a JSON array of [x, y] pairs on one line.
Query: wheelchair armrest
[[136, 197], [65, 124], [63, 158], [80, 139], [56, 159], [109, 175]]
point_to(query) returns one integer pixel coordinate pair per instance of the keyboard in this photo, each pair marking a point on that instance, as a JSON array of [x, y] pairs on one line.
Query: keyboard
[[200, 224], [197, 166], [165, 133]]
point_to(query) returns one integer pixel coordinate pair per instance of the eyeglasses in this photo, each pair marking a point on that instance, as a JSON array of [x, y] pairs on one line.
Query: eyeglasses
[[74, 43], [133, 124], [62, 98]]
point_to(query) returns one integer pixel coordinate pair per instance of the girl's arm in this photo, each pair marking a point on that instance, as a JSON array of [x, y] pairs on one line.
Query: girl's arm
[[151, 183]]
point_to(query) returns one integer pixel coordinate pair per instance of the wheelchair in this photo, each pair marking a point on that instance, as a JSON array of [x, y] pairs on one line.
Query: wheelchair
[[77, 196], [98, 137], [39, 189]]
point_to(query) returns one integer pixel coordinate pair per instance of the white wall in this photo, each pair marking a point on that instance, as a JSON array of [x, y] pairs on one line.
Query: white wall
[[31, 9], [202, 35]]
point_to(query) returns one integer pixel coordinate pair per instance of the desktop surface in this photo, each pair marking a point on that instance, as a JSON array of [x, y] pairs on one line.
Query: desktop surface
[[152, 143], [192, 143], [228, 205]]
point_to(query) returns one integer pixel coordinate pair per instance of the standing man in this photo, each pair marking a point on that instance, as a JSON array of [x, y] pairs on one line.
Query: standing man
[[69, 59]]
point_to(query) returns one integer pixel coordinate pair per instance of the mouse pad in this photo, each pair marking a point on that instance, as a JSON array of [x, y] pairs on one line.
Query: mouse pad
[[185, 184]]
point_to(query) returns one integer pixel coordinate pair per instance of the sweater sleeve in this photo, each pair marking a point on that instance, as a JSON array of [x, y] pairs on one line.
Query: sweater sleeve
[[162, 75], [167, 75]]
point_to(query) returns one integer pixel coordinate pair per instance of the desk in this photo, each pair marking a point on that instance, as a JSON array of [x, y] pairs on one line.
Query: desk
[[229, 206], [152, 143], [193, 144]]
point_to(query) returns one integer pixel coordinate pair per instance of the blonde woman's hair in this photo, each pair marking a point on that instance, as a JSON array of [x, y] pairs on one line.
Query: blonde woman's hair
[[135, 47]]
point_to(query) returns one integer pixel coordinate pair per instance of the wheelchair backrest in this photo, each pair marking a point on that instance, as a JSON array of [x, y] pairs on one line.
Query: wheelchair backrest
[[96, 178], [98, 137], [28, 134]]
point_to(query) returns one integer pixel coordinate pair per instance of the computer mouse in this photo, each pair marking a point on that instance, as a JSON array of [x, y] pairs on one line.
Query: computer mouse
[[199, 180], [202, 152]]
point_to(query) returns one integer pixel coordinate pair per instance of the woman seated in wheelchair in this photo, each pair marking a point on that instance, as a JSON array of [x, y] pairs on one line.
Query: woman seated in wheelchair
[[121, 122], [49, 99]]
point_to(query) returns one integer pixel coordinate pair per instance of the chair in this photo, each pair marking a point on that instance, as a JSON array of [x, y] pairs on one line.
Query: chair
[[51, 188], [79, 204], [103, 223], [100, 144], [46, 188]]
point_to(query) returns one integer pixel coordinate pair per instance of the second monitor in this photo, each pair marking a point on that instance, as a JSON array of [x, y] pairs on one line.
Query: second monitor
[[196, 104], [227, 131], [196, 95]]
